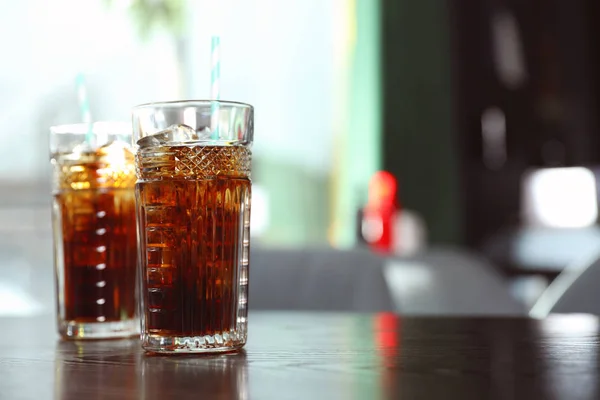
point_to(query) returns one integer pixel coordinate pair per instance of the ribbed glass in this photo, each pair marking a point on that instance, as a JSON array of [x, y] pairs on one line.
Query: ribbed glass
[[193, 203]]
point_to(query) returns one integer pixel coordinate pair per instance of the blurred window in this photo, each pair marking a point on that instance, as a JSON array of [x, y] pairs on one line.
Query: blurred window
[[276, 55]]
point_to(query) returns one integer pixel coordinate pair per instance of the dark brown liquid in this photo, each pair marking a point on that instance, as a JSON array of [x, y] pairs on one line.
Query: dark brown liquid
[[194, 243], [95, 215]]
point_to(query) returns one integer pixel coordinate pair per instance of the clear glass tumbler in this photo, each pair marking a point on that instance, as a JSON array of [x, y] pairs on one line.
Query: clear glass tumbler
[[94, 230], [193, 193]]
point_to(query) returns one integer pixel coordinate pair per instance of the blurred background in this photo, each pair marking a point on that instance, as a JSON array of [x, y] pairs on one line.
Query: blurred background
[[484, 115]]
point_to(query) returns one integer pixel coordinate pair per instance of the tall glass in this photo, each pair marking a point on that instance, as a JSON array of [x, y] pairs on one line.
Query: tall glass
[[193, 193], [94, 230]]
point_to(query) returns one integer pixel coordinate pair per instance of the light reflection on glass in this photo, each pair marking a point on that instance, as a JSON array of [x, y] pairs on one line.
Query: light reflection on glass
[[189, 117]]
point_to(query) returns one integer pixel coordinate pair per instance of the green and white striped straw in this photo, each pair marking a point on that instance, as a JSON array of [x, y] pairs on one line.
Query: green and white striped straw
[[84, 108], [215, 78]]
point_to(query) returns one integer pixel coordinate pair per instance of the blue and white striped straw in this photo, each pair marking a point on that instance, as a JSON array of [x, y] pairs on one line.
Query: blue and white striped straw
[[215, 80], [84, 107]]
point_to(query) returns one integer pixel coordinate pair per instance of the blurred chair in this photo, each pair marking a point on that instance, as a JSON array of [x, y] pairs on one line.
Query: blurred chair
[[436, 283], [539, 250], [318, 280], [449, 282], [575, 290]]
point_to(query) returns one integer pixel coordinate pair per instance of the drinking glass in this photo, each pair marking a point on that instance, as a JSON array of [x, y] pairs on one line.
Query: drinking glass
[[193, 162], [94, 230]]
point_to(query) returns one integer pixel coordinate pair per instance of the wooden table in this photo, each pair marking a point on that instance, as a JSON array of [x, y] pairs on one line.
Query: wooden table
[[318, 356]]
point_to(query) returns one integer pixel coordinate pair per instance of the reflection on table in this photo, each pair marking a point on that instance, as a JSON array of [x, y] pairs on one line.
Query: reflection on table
[[319, 355]]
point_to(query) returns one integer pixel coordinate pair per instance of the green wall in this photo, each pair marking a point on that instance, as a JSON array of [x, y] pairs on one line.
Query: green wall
[[419, 144], [298, 201]]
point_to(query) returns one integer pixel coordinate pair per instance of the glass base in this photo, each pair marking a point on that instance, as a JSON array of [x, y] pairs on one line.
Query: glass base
[[218, 343], [73, 330]]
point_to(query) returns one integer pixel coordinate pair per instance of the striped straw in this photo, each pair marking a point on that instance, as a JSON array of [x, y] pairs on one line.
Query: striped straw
[[215, 78], [84, 107]]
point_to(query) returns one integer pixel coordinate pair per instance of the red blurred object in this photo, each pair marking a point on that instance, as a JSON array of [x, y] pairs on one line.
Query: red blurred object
[[380, 212], [388, 340], [387, 336]]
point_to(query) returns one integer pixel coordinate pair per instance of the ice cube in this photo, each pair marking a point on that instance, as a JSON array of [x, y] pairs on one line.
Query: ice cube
[[204, 133], [82, 149], [115, 153], [174, 134], [148, 141]]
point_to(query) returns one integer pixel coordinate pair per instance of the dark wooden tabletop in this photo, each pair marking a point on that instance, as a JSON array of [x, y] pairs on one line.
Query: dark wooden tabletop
[[318, 356]]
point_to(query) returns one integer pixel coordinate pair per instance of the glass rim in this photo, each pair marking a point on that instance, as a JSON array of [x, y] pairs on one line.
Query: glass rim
[[192, 103], [97, 128]]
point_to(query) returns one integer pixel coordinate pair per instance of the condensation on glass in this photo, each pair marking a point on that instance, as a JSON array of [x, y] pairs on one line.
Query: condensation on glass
[[193, 162], [94, 230]]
